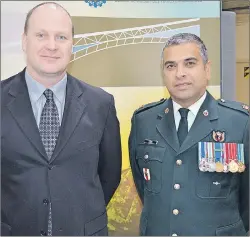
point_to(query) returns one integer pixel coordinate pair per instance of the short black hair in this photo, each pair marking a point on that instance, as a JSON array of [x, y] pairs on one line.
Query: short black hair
[[26, 25]]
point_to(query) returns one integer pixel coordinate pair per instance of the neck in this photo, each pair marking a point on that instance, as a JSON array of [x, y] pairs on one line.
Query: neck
[[188, 102], [46, 79]]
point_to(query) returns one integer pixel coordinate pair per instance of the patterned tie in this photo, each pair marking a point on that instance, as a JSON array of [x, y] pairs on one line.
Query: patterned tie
[[49, 123], [49, 130], [183, 126]]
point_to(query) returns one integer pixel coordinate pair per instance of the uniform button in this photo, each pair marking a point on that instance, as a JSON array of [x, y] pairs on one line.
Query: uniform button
[[177, 186], [176, 212], [179, 162], [174, 234], [146, 156], [43, 233], [45, 201]]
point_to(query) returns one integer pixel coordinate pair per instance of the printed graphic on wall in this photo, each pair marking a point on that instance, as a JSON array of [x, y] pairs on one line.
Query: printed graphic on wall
[[246, 72], [122, 54], [118, 46]]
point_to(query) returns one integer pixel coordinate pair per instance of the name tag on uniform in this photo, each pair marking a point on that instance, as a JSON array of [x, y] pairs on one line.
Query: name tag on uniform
[[221, 157]]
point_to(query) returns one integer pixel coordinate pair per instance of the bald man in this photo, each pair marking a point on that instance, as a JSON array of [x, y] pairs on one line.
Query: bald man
[[61, 150]]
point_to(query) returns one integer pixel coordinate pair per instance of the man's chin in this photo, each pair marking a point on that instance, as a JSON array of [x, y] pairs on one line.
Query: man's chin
[[51, 72]]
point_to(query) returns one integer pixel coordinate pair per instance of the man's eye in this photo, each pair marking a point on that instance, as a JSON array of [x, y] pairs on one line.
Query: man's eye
[[61, 37], [40, 35], [190, 63], [170, 66]]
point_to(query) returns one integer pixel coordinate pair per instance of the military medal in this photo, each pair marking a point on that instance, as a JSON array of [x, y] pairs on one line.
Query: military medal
[[218, 165], [225, 158], [146, 174], [240, 152], [233, 166], [241, 167], [210, 157], [202, 157], [202, 164]]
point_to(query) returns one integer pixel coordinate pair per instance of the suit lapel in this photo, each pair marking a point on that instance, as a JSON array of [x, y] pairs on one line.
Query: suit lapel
[[73, 111], [202, 125], [166, 126], [21, 109]]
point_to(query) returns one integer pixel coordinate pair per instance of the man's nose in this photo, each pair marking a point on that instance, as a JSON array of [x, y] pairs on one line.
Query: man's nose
[[180, 71], [51, 44]]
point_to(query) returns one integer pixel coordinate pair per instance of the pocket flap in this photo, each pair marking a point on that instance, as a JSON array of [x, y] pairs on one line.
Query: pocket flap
[[96, 224], [150, 153], [236, 229]]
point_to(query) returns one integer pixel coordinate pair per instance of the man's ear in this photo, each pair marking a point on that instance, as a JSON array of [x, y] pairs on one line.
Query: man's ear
[[208, 70], [24, 42]]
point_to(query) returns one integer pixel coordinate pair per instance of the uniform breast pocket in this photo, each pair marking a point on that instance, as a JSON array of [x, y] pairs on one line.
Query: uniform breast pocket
[[213, 184], [150, 159]]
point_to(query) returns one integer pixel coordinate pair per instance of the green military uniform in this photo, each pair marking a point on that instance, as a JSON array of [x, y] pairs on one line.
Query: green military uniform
[[178, 198]]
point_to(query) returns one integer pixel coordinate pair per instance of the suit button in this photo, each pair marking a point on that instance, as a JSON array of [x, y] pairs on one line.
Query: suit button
[[176, 212], [43, 233], [177, 186], [179, 162], [51, 167], [174, 234], [146, 156], [45, 201]]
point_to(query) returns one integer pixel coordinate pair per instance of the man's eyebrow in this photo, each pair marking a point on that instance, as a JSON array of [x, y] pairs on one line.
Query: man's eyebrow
[[185, 60], [190, 58], [169, 62]]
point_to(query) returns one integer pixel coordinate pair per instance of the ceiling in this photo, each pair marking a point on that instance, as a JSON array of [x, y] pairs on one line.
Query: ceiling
[[237, 6]]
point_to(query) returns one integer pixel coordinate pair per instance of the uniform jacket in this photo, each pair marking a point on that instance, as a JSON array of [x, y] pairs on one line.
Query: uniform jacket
[[204, 203], [84, 170]]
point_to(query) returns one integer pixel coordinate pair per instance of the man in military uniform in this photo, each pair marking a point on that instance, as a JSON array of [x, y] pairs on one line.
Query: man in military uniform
[[189, 154]]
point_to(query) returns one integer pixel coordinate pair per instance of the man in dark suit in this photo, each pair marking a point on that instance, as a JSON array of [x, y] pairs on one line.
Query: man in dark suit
[[189, 154], [61, 150]]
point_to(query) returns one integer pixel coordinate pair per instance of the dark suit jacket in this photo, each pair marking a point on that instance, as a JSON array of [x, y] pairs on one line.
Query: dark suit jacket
[[81, 176], [209, 203]]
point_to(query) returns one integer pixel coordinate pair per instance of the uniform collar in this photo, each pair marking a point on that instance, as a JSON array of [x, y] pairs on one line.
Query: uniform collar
[[194, 108]]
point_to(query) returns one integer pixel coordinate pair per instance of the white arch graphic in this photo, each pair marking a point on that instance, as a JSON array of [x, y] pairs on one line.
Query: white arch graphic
[[90, 43]]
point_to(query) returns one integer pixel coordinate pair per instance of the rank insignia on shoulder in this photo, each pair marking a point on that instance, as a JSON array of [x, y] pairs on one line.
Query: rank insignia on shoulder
[[146, 174], [246, 107], [148, 106], [218, 136]]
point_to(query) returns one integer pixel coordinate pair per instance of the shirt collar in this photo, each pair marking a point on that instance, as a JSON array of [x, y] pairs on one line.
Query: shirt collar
[[194, 108], [36, 89], [59, 89]]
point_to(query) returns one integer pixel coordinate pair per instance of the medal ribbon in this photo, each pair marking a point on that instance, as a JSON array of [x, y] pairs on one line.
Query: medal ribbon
[[217, 151], [233, 151]]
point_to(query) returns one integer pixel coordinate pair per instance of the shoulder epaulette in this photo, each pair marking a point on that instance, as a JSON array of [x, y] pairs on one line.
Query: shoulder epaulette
[[234, 105], [150, 105]]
